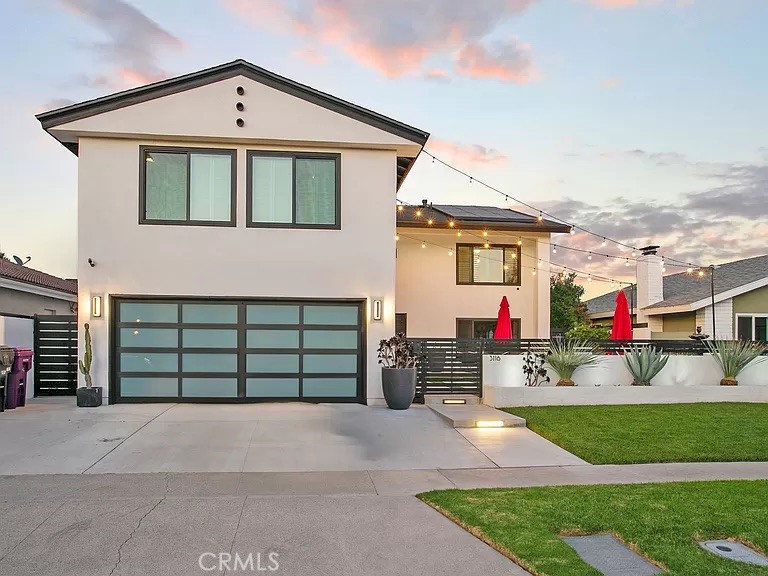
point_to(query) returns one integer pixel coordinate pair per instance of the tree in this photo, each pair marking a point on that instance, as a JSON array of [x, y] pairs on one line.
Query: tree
[[566, 308]]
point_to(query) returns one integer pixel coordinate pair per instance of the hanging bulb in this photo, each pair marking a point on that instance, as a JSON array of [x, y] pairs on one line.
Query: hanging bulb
[[539, 262], [430, 221], [627, 262], [458, 234], [433, 160], [423, 245], [485, 234], [540, 217], [633, 253], [554, 248], [690, 270], [418, 212], [451, 223], [450, 252], [506, 267], [604, 242], [589, 257], [533, 272], [397, 237], [400, 208], [470, 180], [589, 277], [701, 273], [573, 230], [486, 245]]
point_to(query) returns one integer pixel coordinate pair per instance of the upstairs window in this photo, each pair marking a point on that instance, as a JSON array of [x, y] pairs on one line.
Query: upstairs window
[[293, 190], [496, 265], [191, 186]]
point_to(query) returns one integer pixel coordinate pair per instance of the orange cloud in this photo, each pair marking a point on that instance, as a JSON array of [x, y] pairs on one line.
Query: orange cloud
[[509, 61], [459, 153], [437, 74]]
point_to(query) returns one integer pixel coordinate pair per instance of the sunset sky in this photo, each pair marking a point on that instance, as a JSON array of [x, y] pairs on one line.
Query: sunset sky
[[645, 120]]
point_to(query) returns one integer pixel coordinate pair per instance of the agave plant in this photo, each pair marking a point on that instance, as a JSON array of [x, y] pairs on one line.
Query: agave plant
[[644, 362], [733, 356], [565, 356]]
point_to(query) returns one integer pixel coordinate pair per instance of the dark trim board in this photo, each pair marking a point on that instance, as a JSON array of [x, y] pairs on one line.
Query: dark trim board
[[240, 349]]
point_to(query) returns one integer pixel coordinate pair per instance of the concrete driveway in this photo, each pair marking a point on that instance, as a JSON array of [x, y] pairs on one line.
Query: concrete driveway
[[52, 436]]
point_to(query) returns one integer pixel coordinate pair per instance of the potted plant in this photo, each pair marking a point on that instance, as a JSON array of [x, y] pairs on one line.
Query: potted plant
[[644, 362], [398, 372], [566, 356], [733, 356], [88, 396]]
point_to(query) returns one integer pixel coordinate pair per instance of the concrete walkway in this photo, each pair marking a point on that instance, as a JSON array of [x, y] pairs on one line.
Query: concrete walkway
[[52, 436]]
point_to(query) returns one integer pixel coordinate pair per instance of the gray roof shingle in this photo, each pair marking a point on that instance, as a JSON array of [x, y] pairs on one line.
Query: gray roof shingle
[[684, 288], [477, 217]]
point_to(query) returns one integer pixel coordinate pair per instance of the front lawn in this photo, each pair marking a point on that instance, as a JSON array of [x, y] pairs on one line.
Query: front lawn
[[723, 432], [659, 521]]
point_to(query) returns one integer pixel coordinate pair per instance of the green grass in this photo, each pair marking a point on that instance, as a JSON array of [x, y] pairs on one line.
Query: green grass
[[660, 521], [723, 432]]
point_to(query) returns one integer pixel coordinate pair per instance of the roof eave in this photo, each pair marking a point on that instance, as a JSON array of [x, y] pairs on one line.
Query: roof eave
[[488, 225]]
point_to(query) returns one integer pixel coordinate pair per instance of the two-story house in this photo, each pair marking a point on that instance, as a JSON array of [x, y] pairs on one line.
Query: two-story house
[[238, 241]]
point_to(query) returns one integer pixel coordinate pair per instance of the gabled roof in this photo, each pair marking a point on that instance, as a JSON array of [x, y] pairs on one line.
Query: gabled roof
[[686, 289], [475, 217], [133, 96], [12, 271]]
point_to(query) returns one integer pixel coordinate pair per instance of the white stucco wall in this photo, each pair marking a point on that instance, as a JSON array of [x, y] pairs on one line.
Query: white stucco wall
[[428, 293], [357, 261]]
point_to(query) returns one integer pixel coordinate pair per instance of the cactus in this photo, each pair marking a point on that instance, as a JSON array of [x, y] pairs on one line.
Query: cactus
[[85, 363]]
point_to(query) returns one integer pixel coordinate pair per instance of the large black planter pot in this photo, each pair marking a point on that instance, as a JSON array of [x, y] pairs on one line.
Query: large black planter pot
[[399, 386], [89, 397]]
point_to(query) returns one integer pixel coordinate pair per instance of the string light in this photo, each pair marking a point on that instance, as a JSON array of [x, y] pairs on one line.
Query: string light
[[397, 237], [450, 252], [519, 241], [540, 217], [554, 248], [470, 180], [486, 245], [418, 212], [627, 262], [573, 230], [485, 234], [533, 272], [590, 256], [400, 208], [458, 234], [690, 270], [589, 277], [451, 223], [604, 242], [701, 273], [430, 221], [423, 244]]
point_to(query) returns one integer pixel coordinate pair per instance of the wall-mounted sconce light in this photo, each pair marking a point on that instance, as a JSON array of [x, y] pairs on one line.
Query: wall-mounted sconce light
[[96, 306], [378, 310]]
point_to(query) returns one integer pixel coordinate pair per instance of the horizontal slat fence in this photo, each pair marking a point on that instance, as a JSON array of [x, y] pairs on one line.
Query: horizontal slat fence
[[454, 365], [55, 355]]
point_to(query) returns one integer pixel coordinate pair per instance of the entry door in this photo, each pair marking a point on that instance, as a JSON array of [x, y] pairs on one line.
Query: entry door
[[237, 350]]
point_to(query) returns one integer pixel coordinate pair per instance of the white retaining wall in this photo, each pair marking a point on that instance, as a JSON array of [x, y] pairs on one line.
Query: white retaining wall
[[683, 379]]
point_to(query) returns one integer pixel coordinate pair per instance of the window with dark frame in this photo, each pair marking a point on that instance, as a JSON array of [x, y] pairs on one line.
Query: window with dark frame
[[293, 190], [187, 186], [496, 265], [483, 327]]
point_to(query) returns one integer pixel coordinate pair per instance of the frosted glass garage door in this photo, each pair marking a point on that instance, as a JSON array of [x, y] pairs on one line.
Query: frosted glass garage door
[[237, 350]]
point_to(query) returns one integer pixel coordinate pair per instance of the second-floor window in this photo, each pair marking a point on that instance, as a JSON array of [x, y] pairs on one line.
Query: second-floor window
[[495, 265], [193, 186], [293, 190]]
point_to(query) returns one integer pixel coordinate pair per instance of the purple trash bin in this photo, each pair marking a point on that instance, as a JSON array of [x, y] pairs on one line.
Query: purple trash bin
[[16, 383]]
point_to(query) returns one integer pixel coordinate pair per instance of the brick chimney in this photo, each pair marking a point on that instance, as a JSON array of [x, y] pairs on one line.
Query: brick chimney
[[650, 290]]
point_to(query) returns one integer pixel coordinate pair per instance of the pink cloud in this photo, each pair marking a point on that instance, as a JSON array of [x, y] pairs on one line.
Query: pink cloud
[[459, 153], [619, 4], [437, 74], [312, 56], [509, 61], [611, 83], [396, 37]]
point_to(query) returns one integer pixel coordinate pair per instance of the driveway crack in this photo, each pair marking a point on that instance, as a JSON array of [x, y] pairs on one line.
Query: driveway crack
[[138, 525]]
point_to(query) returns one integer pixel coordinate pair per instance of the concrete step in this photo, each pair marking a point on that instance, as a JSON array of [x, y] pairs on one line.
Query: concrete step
[[451, 399], [476, 416]]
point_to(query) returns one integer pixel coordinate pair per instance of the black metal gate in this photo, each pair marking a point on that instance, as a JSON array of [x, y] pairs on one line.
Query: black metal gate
[[449, 366], [55, 355]]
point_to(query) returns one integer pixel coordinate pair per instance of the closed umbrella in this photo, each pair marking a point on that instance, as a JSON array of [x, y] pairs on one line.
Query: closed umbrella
[[622, 323], [503, 329]]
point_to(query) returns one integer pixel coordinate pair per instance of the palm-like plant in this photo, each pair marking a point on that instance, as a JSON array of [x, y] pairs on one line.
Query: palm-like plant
[[733, 356], [644, 362], [565, 356]]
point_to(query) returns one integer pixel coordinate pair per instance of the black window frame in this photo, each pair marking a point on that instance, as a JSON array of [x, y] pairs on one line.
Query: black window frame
[[514, 322], [504, 248], [188, 151], [250, 154]]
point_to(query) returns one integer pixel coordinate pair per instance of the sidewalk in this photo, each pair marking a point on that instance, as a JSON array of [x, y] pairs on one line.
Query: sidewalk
[[35, 487]]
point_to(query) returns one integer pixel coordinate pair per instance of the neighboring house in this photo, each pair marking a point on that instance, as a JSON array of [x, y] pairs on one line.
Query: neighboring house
[[241, 233], [675, 306], [25, 291]]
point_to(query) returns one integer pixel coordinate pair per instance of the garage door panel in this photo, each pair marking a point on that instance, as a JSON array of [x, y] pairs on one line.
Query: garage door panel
[[237, 350], [272, 388]]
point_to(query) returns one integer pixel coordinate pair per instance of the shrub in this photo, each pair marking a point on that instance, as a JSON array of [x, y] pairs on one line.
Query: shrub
[[587, 332], [733, 356], [565, 356], [644, 362]]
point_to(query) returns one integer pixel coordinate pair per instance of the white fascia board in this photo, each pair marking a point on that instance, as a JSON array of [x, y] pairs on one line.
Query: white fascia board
[[728, 294], [38, 290]]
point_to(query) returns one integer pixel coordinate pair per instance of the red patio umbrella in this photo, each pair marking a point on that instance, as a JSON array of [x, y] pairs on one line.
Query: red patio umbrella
[[503, 329], [622, 323]]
